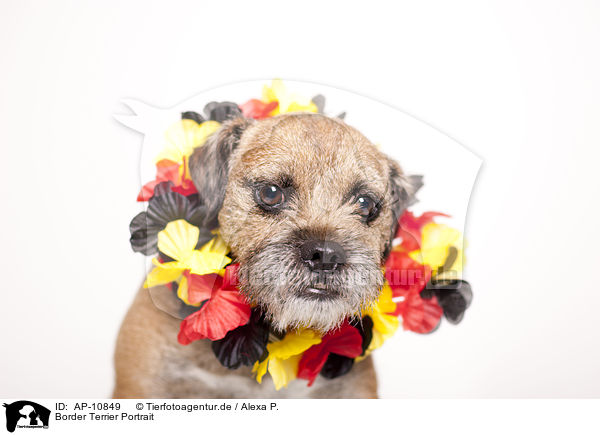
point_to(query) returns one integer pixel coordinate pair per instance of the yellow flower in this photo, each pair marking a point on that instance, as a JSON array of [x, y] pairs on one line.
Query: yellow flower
[[284, 356], [288, 102], [178, 240], [384, 324], [440, 244], [183, 136]]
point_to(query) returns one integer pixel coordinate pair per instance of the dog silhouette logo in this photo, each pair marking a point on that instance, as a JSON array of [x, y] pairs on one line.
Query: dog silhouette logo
[[26, 414]]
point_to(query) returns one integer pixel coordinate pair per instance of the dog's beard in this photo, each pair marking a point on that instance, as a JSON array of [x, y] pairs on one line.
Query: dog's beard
[[277, 280]]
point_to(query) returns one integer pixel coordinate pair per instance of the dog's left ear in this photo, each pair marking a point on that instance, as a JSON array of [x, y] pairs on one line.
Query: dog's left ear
[[209, 167], [403, 190]]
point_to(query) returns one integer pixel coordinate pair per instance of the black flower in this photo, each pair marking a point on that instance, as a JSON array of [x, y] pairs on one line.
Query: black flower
[[336, 365], [221, 112], [166, 206], [214, 111], [319, 101], [365, 327], [143, 234], [454, 296], [245, 344], [194, 116]]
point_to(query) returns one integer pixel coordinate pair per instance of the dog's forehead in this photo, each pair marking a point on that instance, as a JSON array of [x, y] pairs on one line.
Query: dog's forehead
[[308, 147]]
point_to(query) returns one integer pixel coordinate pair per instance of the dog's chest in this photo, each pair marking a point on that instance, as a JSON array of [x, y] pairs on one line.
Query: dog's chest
[[186, 378]]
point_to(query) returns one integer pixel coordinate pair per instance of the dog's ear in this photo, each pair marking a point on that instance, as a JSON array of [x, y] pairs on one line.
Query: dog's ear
[[209, 167], [402, 194]]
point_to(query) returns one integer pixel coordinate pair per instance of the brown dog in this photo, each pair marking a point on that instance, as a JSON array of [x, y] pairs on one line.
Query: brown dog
[[308, 207]]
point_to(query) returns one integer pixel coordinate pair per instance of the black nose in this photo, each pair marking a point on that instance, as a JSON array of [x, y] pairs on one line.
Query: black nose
[[322, 254]]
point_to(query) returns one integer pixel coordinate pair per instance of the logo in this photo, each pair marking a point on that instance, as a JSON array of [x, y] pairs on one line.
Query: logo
[[26, 414]]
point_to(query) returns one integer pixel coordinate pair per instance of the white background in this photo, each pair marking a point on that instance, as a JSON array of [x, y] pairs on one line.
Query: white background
[[516, 82]]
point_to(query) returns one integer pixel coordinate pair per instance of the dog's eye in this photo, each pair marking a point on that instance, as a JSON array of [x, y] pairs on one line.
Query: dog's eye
[[270, 196], [367, 207]]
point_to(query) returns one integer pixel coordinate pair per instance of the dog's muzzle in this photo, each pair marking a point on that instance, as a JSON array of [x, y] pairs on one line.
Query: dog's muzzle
[[323, 258], [322, 255]]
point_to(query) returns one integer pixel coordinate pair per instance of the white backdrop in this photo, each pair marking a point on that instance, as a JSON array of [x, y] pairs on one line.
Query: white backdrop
[[516, 82]]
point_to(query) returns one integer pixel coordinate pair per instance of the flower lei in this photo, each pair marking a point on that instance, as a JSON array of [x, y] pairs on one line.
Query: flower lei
[[421, 272]]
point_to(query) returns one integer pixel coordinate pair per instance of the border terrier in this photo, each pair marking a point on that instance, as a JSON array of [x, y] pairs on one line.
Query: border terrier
[[309, 207]]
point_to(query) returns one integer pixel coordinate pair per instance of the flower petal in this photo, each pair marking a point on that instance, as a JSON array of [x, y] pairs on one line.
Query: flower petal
[[166, 170], [217, 246], [336, 366], [168, 207], [288, 102], [283, 371], [312, 362], [365, 327], [294, 343], [386, 324], [194, 116], [222, 313], [383, 320], [143, 234], [178, 239], [202, 263], [185, 135], [290, 347], [260, 368], [243, 345], [257, 109], [319, 102], [418, 314], [438, 242], [410, 226], [404, 274], [230, 278], [201, 287], [454, 296], [345, 341], [383, 314], [164, 273], [222, 111]]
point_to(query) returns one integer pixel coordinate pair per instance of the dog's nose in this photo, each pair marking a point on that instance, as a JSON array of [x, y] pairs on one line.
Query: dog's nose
[[322, 254]]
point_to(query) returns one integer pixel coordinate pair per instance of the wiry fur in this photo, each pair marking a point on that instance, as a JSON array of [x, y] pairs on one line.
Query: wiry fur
[[209, 166], [322, 160], [275, 277]]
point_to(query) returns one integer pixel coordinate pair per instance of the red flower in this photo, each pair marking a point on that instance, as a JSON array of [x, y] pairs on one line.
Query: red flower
[[404, 274], [345, 341], [409, 228], [166, 170], [418, 314], [225, 308], [257, 109], [230, 279], [407, 278], [201, 287]]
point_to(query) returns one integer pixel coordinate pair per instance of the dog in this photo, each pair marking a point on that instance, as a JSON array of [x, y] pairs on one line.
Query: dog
[[309, 207]]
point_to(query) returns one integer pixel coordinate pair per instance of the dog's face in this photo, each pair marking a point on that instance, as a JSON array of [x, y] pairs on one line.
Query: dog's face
[[309, 207]]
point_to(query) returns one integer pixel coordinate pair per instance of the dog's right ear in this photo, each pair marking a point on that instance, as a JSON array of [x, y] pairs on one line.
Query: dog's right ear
[[209, 166], [402, 194]]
